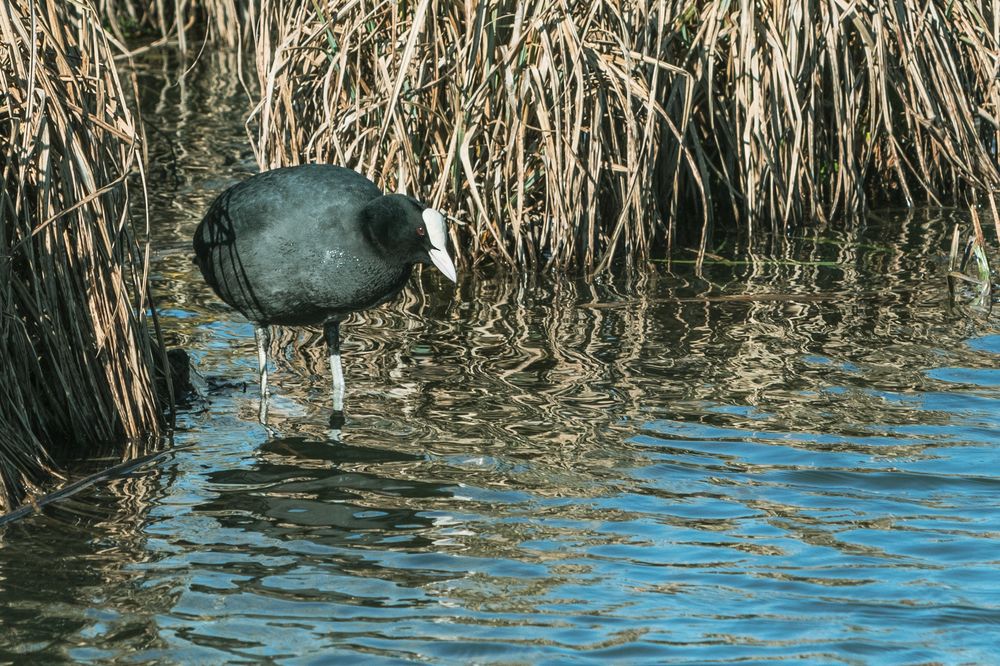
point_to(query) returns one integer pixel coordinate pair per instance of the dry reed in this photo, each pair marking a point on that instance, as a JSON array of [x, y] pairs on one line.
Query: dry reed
[[568, 135], [175, 21], [75, 352]]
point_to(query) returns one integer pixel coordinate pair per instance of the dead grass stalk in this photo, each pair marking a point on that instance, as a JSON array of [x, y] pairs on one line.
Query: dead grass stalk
[[75, 352]]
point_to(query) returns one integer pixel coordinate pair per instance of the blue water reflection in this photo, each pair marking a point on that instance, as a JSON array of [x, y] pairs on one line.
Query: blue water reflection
[[541, 473]]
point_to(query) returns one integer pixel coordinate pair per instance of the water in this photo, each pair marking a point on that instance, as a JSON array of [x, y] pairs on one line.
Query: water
[[789, 459]]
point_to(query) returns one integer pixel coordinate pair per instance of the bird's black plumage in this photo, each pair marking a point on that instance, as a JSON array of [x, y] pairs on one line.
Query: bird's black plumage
[[301, 245], [308, 245]]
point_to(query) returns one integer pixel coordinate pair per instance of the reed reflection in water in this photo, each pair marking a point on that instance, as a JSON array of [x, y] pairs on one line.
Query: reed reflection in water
[[792, 459]]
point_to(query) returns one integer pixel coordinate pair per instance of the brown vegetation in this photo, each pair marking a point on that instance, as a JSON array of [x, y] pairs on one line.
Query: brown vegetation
[[76, 357], [174, 21], [567, 136]]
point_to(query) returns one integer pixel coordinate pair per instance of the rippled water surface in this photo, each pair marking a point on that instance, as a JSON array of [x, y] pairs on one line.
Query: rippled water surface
[[794, 458]]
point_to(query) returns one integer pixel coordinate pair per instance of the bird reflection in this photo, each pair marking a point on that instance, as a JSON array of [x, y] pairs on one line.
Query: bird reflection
[[305, 488]]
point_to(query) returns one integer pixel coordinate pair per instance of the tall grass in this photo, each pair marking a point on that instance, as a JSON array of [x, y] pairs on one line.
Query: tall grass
[[182, 22], [569, 135], [75, 352]]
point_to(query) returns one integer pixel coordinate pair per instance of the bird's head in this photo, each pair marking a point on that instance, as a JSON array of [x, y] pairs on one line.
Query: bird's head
[[405, 227]]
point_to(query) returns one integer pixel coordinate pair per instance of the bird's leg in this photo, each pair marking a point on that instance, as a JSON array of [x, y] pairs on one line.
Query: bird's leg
[[331, 330], [262, 334]]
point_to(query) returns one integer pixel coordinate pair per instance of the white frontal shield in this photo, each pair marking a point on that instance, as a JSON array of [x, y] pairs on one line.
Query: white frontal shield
[[438, 236]]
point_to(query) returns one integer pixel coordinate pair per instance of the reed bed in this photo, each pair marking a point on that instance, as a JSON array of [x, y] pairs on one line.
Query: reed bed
[[571, 135], [76, 355], [184, 23]]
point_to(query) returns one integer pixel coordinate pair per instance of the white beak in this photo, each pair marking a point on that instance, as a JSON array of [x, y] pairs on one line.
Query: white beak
[[438, 236]]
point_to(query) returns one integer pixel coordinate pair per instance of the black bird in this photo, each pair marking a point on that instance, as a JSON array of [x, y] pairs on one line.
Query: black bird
[[308, 245]]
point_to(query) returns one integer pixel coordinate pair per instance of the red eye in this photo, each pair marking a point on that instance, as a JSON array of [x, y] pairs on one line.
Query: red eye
[[421, 232]]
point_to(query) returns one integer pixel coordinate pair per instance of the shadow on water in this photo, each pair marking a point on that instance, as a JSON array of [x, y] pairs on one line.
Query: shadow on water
[[300, 486], [787, 459]]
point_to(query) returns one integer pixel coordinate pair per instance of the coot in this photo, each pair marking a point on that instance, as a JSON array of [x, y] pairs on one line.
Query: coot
[[308, 245]]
